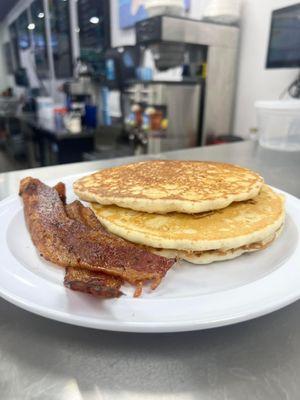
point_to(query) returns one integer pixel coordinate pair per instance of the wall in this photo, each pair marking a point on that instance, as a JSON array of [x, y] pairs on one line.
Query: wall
[[254, 81]]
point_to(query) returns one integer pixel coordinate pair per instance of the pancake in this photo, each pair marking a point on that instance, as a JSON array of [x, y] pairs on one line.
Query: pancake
[[239, 224], [209, 256], [162, 186]]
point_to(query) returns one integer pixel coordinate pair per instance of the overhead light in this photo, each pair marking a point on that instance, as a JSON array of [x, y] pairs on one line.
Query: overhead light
[[94, 20], [41, 15], [31, 26]]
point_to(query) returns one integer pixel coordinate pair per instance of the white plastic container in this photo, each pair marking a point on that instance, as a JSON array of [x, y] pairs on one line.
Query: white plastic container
[[161, 7], [45, 111], [223, 11], [279, 124]]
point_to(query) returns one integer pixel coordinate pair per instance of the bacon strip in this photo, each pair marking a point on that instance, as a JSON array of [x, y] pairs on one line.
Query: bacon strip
[[83, 280], [96, 283], [76, 210], [71, 243], [61, 190]]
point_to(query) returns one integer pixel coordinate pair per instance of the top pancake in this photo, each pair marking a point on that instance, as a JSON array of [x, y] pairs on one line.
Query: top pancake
[[162, 186]]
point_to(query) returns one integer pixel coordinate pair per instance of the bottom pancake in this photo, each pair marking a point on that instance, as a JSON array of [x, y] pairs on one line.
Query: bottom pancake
[[237, 225], [209, 256]]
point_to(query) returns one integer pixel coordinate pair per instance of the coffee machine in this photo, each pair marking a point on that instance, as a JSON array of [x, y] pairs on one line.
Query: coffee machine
[[202, 102]]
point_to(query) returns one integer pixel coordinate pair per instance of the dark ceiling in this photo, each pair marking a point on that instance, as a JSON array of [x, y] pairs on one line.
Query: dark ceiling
[[5, 7]]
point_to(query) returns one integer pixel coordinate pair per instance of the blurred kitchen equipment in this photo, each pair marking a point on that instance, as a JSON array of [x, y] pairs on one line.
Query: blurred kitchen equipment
[[80, 92], [59, 113], [90, 118], [8, 106], [121, 63], [208, 52], [163, 115], [72, 122], [279, 124], [167, 7], [83, 89], [45, 111], [283, 47], [144, 74], [222, 11], [82, 69]]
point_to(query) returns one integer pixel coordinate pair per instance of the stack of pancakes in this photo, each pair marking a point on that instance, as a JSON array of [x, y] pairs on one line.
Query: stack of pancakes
[[197, 211]]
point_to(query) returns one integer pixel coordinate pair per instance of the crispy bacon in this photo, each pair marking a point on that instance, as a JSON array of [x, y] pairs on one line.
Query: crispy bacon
[[96, 283], [61, 190], [71, 243], [76, 210]]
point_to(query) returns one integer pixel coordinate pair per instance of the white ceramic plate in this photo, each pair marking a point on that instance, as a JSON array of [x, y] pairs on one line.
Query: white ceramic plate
[[189, 298]]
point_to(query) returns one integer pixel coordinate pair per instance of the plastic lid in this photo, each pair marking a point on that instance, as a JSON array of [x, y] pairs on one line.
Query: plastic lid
[[278, 104]]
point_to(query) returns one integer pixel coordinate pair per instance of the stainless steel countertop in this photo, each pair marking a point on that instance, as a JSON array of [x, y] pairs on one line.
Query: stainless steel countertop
[[254, 360]]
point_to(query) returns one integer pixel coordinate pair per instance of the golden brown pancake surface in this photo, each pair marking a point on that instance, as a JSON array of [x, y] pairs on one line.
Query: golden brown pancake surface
[[239, 224], [162, 186]]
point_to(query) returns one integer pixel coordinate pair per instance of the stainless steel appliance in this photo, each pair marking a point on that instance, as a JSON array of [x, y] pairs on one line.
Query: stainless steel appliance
[[176, 41], [178, 105], [80, 91]]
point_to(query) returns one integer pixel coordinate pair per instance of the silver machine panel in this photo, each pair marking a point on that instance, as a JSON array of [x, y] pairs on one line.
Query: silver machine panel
[[181, 102], [218, 44]]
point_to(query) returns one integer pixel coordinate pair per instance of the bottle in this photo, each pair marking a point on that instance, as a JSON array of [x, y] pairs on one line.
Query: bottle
[[147, 115], [156, 120], [138, 115]]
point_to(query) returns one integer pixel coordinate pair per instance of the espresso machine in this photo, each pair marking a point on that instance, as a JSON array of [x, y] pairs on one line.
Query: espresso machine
[[202, 102]]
